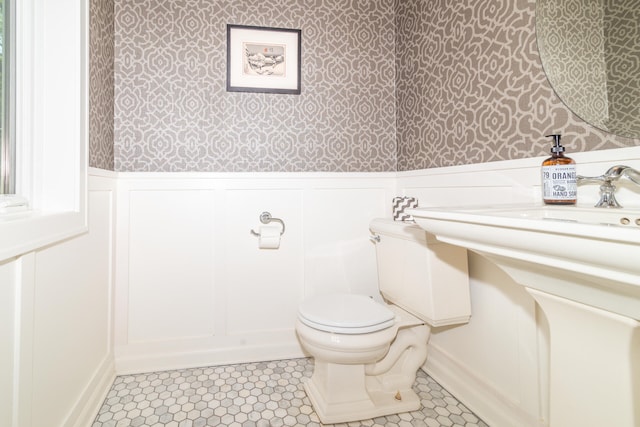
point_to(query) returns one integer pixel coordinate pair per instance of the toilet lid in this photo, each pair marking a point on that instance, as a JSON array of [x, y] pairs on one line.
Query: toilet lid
[[345, 314]]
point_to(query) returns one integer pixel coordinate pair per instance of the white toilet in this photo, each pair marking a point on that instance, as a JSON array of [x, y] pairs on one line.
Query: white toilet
[[367, 353]]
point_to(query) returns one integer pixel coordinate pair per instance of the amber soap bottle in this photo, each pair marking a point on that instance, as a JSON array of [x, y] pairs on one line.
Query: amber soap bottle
[[559, 184]]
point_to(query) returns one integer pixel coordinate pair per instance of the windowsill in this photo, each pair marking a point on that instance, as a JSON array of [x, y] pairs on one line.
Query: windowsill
[[26, 231], [10, 203]]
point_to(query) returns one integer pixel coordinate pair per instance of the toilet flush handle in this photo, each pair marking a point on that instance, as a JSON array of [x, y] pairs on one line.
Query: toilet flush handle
[[374, 238]]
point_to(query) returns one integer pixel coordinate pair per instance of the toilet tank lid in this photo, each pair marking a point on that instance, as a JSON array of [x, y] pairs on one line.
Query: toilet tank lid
[[345, 311], [398, 229]]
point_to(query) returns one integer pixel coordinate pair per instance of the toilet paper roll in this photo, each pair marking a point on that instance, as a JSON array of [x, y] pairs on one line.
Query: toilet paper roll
[[269, 236]]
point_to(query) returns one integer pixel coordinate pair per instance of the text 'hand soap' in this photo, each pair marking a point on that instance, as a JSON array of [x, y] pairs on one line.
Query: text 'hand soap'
[[559, 184]]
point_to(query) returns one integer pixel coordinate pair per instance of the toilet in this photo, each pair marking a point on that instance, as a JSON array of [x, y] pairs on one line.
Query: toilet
[[367, 350]]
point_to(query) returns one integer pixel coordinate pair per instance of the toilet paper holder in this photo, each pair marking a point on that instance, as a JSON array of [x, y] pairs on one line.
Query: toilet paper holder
[[266, 218]]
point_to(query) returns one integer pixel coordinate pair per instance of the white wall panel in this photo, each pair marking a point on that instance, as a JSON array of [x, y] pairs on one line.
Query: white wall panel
[[263, 286], [72, 315], [56, 361], [193, 288], [9, 321], [495, 355], [237, 303], [339, 255], [490, 363], [170, 264]]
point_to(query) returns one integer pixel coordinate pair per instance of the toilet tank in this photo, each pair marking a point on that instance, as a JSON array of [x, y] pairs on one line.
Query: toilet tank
[[421, 275]]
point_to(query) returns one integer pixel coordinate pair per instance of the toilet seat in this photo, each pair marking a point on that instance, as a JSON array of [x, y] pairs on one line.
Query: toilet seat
[[345, 314]]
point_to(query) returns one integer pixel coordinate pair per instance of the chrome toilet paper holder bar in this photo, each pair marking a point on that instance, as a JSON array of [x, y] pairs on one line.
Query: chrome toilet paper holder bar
[[266, 218]]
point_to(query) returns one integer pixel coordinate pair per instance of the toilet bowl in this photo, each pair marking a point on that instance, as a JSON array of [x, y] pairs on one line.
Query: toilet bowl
[[367, 353], [353, 377], [346, 328]]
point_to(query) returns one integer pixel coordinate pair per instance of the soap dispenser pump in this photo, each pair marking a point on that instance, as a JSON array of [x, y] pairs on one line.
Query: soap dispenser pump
[[559, 183]]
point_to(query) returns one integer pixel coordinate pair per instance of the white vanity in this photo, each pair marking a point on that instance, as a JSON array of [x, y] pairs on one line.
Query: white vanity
[[582, 267]]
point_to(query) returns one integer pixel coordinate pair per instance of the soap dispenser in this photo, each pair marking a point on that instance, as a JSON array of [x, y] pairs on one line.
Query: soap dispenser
[[559, 184]]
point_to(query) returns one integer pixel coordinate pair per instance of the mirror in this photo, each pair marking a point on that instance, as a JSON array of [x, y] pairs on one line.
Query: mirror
[[590, 51]]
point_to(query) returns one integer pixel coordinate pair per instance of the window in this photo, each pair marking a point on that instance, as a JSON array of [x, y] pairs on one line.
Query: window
[[7, 144], [50, 114]]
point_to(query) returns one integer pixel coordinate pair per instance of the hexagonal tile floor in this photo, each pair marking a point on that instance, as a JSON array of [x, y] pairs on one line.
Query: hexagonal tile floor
[[263, 394]]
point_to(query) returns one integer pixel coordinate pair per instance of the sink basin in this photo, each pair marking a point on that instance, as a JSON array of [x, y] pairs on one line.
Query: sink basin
[[506, 214], [582, 267], [599, 242], [594, 216]]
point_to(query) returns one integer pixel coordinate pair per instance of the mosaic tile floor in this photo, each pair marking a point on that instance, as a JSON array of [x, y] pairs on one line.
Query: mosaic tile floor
[[264, 394]]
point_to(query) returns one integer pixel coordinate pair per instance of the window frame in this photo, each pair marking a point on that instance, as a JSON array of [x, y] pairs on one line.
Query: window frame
[[51, 126], [7, 143]]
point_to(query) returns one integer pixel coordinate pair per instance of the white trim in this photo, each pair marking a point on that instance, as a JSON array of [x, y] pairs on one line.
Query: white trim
[[290, 176], [611, 157], [24, 294], [88, 404], [154, 358]]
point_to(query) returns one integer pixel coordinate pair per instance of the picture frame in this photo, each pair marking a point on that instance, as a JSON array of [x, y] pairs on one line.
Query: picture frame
[[263, 59]]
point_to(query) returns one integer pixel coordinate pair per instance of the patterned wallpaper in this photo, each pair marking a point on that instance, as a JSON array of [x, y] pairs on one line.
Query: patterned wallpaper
[[590, 51], [622, 39], [447, 82], [101, 85], [173, 113], [572, 50], [471, 88]]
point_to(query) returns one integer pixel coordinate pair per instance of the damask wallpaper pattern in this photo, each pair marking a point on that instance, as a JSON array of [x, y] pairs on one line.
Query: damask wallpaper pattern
[[471, 88], [572, 49], [173, 113], [101, 85], [386, 85], [622, 29], [591, 50]]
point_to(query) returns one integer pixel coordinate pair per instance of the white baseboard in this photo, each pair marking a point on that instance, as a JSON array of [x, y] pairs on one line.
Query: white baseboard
[[135, 362], [84, 411], [485, 400]]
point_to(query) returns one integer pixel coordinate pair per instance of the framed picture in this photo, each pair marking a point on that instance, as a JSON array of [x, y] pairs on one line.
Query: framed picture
[[262, 59]]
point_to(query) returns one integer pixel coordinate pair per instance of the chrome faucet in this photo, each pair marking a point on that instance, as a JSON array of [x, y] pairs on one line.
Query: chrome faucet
[[607, 188]]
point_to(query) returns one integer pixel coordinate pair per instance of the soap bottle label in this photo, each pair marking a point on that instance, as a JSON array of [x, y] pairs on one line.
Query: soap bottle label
[[559, 182]]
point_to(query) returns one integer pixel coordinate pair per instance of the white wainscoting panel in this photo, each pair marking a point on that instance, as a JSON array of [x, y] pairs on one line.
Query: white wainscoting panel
[[72, 339], [56, 318], [339, 256], [263, 286], [7, 335], [16, 301], [171, 255], [194, 288], [491, 363]]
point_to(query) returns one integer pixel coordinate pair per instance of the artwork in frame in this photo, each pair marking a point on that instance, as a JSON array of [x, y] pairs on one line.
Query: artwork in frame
[[263, 59]]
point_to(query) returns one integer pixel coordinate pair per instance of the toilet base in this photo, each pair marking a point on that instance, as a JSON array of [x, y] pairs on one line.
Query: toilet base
[[351, 401]]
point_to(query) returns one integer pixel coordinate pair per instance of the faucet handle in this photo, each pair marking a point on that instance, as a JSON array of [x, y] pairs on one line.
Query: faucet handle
[[607, 188], [632, 174], [612, 174]]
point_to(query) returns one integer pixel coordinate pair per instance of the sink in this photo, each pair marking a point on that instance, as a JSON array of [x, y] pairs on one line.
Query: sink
[[592, 242], [582, 267], [562, 214], [578, 215]]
